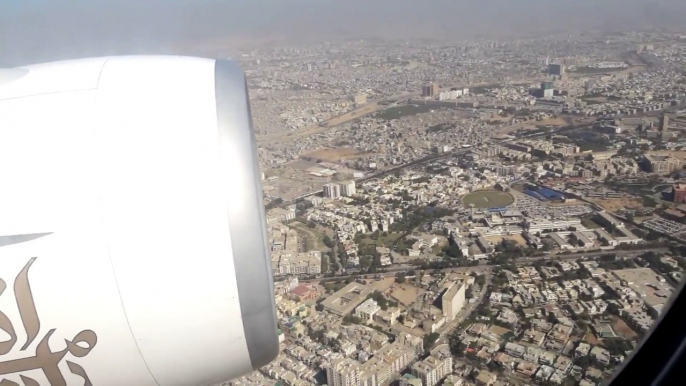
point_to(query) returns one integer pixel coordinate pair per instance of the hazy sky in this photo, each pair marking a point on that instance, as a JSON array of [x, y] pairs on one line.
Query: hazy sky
[[40, 30]]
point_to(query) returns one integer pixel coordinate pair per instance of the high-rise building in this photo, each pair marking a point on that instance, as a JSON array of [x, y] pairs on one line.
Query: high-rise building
[[547, 89], [343, 372], [332, 190], [453, 299], [430, 90], [505, 170], [664, 123], [556, 69], [680, 193], [347, 188]]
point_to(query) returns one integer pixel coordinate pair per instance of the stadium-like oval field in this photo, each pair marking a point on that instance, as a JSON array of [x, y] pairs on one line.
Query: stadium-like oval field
[[488, 199]]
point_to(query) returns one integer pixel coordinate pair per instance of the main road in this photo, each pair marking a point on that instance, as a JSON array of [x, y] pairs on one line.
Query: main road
[[390, 272]]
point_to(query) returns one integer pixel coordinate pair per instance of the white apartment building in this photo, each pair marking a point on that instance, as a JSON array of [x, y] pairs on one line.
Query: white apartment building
[[347, 188], [453, 299], [343, 372], [367, 310], [305, 263], [332, 190]]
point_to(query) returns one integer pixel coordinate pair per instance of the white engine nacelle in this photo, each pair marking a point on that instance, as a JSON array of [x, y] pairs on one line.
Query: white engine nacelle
[[133, 247]]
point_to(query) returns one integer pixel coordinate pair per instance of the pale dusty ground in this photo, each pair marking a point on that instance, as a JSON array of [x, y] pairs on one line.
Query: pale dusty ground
[[622, 329], [516, 238], [639, 220], [381, 285], [546, 122], [614, 205], [633, 69], [335, 155], [598, 99], [370, 107], [405, 293], [676, 153], [590, 338]]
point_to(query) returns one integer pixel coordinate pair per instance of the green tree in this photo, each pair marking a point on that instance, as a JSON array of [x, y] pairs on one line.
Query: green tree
[[430, 339]]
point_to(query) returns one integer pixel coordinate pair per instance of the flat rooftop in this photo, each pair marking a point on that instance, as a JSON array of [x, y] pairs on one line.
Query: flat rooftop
[[344, 301], [651, 287]]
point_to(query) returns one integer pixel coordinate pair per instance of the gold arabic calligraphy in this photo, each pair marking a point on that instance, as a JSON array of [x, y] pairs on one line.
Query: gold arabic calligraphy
[[44, 359]]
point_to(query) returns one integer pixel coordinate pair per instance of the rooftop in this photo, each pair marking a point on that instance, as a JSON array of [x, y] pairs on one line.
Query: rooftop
[[347, 298]]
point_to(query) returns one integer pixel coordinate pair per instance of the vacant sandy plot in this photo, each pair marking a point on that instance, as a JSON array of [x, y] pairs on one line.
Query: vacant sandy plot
[[622, 329], [367, 109], [405, 294], [597, 99], [301, 164], [590, 338], [370, 107], [641, 219], [335, 155], [633, 70], [381, 285], [499, 119], [675, 153], [614, 205], [531, 125], [498, 239]]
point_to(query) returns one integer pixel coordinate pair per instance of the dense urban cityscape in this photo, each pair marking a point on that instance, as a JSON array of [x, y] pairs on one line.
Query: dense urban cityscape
[[470, 213]]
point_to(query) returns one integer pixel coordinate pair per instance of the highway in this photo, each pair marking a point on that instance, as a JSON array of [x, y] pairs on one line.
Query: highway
[[390, 272]]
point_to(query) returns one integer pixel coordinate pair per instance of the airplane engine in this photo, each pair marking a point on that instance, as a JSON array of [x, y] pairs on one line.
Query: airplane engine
[[133, 246]]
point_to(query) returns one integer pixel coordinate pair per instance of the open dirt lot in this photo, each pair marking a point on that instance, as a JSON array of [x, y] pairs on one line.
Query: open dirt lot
[[622, 329], [516, 238], [406, 294], [369, 108], [675, 153], [335, 155], [614, 205], [532, 124], [382, 285], [590, 338]]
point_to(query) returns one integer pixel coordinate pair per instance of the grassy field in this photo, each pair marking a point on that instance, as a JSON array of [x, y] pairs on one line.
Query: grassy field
[[488, 199]]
